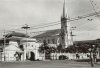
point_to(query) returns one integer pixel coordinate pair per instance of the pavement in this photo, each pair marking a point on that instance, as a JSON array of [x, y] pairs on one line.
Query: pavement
[[48, 64]]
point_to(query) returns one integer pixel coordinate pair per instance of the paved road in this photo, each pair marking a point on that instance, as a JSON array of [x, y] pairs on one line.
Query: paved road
[[47, 64]]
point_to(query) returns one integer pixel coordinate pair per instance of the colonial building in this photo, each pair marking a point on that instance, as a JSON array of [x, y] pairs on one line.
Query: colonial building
[[18, 47], [12, 52], [30, 49]]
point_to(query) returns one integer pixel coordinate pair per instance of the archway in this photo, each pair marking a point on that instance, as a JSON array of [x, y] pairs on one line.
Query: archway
[[32, 57]]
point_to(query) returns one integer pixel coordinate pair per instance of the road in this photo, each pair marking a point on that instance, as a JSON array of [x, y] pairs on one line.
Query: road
[[48, 64]]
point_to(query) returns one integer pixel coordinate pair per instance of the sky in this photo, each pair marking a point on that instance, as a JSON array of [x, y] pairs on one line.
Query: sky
[[15, 13]]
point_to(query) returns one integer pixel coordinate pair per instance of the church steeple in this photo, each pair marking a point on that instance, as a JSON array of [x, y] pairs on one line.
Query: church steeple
[[65, 29], [64, 10]]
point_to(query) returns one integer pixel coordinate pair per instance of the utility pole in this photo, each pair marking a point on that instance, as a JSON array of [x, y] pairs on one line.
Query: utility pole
[[26, 27], [4, 44]]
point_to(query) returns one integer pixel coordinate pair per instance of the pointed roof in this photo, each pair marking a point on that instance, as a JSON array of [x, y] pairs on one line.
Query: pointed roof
[[64, 10], [64, 14]]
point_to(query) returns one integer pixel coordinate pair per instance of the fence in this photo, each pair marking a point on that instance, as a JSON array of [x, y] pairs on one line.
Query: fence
[[55, 56]]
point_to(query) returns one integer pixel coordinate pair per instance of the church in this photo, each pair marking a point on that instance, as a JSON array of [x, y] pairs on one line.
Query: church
[[57, 37]]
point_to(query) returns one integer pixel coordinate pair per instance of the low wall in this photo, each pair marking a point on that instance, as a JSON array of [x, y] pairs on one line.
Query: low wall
[[55, 56]]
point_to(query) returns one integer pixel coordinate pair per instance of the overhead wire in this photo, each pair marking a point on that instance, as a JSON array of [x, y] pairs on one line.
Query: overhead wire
[[57, 22], [45, 24], [93, 6], [69, 20], [73, 19]]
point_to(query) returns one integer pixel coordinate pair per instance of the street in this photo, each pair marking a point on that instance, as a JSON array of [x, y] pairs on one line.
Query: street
[[48, 64]]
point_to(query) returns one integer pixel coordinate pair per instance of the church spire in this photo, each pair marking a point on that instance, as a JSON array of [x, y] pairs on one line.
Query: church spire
[[65, 29], [64, 12]]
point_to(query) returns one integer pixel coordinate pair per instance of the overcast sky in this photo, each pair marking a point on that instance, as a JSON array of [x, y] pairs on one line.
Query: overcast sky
[[16, 13]]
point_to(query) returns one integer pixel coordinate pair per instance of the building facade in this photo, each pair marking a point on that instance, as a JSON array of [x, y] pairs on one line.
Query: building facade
[[19, 48]]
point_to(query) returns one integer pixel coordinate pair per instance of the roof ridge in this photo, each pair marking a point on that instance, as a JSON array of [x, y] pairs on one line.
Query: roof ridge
[[48, 33]]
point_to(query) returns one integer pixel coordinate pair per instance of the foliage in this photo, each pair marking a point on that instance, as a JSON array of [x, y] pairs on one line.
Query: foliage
[[44, 48], [79, 48]]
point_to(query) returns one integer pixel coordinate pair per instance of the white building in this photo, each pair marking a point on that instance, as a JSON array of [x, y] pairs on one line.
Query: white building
[[30, 49], [20, 49], [10, 52]]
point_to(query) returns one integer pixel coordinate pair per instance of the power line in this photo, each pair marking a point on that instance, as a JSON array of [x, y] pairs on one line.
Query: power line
[[45, 24], [57, 22], [42, 31], [69, 20], [84, 16], [93, 6]]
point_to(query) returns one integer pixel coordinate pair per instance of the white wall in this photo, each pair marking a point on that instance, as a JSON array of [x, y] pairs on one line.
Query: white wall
[[10, 50], [32, 47], [69, 55]]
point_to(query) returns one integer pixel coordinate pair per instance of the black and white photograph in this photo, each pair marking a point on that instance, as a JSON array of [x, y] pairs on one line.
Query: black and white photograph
[[49, 33]]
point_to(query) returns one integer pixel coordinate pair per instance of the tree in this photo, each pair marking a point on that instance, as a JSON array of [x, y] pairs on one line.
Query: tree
[[44, 48], [59, 48]]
